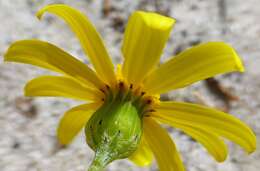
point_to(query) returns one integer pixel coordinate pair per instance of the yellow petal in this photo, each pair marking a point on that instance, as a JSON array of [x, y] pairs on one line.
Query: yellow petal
[[48, 56], [143, 156], [144, 40], [73, 121], [195, 64], [162, 146], [60, 86], [209, 119], [88, 37], [215, 145]]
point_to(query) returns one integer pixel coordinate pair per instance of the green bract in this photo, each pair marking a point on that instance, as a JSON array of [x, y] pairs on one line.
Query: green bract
[[114, 131]]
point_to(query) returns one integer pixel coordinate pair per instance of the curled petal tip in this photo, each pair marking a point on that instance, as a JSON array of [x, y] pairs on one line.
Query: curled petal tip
[[239, 64], [40, 13], [252, 149]]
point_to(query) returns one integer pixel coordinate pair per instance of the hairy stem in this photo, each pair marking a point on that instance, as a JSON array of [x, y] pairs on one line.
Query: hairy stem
[[100, 161], [96, 166]]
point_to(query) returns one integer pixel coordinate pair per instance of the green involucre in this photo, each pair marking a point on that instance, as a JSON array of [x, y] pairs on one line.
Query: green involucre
[[114, 131]]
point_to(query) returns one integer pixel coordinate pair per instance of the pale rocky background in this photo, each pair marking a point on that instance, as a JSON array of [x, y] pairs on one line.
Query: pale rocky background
[[27, 126]]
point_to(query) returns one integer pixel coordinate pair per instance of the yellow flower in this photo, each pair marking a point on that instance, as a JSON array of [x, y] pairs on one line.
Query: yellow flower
[[131, 94]]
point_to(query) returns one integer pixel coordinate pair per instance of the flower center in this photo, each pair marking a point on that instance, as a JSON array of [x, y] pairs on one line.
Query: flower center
[[129, 93]]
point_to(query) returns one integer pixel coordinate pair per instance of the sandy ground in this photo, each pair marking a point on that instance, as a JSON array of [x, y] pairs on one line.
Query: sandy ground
[[27, 126]]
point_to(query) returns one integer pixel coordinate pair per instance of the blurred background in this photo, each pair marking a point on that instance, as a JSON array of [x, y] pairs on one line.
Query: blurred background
[[28, 125]]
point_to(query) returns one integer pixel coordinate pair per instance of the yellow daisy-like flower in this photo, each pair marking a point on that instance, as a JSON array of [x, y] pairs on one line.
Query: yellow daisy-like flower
[[123, 112]]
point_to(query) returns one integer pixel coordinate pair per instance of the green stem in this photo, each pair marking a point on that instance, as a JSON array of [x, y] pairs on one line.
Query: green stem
[[96, 166], [100, 161]]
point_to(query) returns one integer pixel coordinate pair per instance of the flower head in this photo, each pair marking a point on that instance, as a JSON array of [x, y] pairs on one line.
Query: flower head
[[123, 111]]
